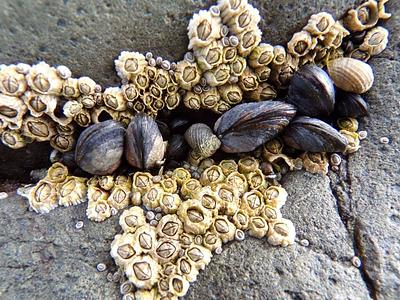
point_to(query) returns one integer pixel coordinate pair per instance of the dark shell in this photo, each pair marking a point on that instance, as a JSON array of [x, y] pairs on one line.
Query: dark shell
[[100, 148], [163, 127], [177, 148], [144, 147], [249, 125], [350, 105], [309, 134], [179, 125], [312, 92]]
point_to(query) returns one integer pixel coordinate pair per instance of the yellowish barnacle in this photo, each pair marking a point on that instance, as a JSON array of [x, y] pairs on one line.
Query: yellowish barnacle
[[195, 157], [130, 64], [231, 93], [72, 191], [248, 164], [281, 232], [123, 180], [169, 227], [218, 76], [114, 98], [231, 8], [359, 54], [349, 124], [70, 109], [13, 139], [248, 18], [68, 129], [12, 110], [203, 29], [206, 163], [258, 227], [95, 193], [186, 240], [263, 73], [155, 91], [178, 285], [138, 106], [248, 41], [208, 199], [57, 173], [142, 271], [132, 218], [229, 198], [166, 250], [172, 100], [300, 44], [261, 56], [169, 185], [120, 196], [238, 180], [229, 54], [241, 219], [270, 213], [375, 41], [141, 81], [145, 236], [70, 88], [248, 80], [315, 162], [224, 228], [181, 175], [256, 180], [187, 269], [228, 166], [187, 74], [142, 182], [130, 92], [221, 107], [275, 196], [190, 188], [279, 55], [264, 91], [98, 211], [151, 199], [36, 103], [282, 74], [363, 17], [62, 143], [39, 129], [352, 139], [252, 202], [192, 100], [199, 256], [106, 182], [125, 117], [334, 37], [83, 118], [170, 202], [319, 24], [123, 249], [238, 66], [195, 217], [210, 56], [87, 86], [44, 79], [382, 10], [162, 79], [272, 148], [212, 176], [12, 82], [146, 295], [43, 197], [210, 98]]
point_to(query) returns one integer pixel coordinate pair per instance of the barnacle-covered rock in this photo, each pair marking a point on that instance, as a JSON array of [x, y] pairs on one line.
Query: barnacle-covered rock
[[247, 126], [12, 82], [124, 249], [142, 271], [169, 227], [281, 233], [315, 162], [72, 191], [224, 228], [131, 219], [100, 147], [12, 110], [203, 29], [195, 217], [258, 227], [187, 74], [43, 197], [44, 79], [145, 147], [201, 138], [130, 64], [98, 211], [319, 24], [363, 17], [375, 41]]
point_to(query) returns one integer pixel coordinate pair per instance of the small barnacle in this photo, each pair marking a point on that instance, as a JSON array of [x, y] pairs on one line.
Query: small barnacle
[[62, 142], [375, 41], [98, 211], [181, 175], [248, 164], [319, 24], [70, 109], [44, 79], [130, 64], [199, 256], [130, 92], [142, 271], [138, 106], [279, 55], [162, 79], [241, 219], [72, 191], [212, 176], [228, 166], [43, 197], [363, 17], [13, 139], [229, 54], [186, 240], [12, 110], [203, 29], [131, 219], [300, 44], [248, 80], [218, 76], [187, 74], [141, 81], [270, 213], [238, 66], [231, 93], [57, 173], [381, 9], [151, 199], [169, 185], [315, 162], [120, 196], [155, 91], [281, 232], [282, 74], [275, 196], [195, 217], [88, 101], [248, 41], [142, 182], [261, 56], [352, 139], [12, 82], [170, 202], [256, 180], [123, 249], [238, 180], [271, 148], [359, 54], [178, 285], [190, 188], [192, 100], [258, 227], [262, 73], [229, 198], [38, 129], [210, 56], [166, 250], [208, 199], [186, 268], [264, 91], [231, 8], [252, 202], [106, 182], [334, 38], [145, 237], [88, 86], [83, 118], [349, 124], [96, 194], [170, 227], [248, 18], [172, 100], [224, 228], [114, 98], [70, 88]]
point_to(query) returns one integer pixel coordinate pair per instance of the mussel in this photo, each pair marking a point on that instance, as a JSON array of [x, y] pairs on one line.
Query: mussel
[[100, 148], [350, 105], [312, 92], [144, 147], [177, 148], [310, 134], [249, 125]]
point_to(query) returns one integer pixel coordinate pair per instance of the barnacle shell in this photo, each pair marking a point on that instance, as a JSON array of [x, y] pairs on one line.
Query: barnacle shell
[[351, 75], [231, 8], [141, 182], [300, 44], [196, 218], [169, 185], [252, 202], [258, 227], [169, 227], [70, 88], [381, 8], [38, 129], [241, 219], [181, 175], [120, 196], [261, 56], [224, 228], [100, 147], [200, 256], [238, 180], [210, 98], [62, 143], [279, 55], [256, 180], [334, 37], [246, 19], [201, 138], [36, 103], [275, 196], [192, 100], [248, 164], [203, 29], [190, 188], [313, 135], [210, 56], [263, 73], [238, 66], [96, 194], [70, 108], [123, 249], [264, 91], [247, 126], [88, 86], [114, 99], [57, 173], [248, 41], [146, 294], [44, 79], [349, 124], [212, 176], [186, 268], [131, 219], [229, 198], [130, 64], [145, 147], [248, 80], [375, 41], [208, 199], [187, 74], [130, 92], [229, 54], [151, 199], [319, 24], [172, 100], [281, 233], [231, 93], [315, 162], [98, 211], [353, 141], [142, 271], [363, 17], [83, 118], [228, 166], [106, 182], [178, 285], [146, 238], [218, 76], [212, 241], [94, 116], [166, 250], [270, 213], [43, 197], [12, 82], [12, 110]]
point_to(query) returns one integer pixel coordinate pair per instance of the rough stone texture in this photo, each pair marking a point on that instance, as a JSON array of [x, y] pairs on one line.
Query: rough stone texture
[[353, 212]]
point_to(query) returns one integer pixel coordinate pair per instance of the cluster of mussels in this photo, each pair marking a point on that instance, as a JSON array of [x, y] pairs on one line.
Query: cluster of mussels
[[216, 174]]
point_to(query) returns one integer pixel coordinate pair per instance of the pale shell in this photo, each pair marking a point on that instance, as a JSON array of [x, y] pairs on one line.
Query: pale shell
[[201, 138], [131, 219], [12, 82]]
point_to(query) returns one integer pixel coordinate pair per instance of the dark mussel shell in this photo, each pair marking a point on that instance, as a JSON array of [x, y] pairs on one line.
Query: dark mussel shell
[[309, 134], [350, 105], [177, 148], [100, 148], [144, 147], [312, 92], [249, 125]]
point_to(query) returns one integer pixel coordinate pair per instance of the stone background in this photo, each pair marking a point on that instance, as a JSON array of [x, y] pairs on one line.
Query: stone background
[[353, 212]]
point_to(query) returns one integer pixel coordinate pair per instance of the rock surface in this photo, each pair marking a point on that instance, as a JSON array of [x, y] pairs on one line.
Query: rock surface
[[353, 212]]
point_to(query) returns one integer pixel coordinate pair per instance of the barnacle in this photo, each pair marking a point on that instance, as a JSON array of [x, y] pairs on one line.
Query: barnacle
[[169, 227], [238, 180], [218, 76], [187, 74], [270, 213], [199, 256], [319, 24], [43, 196], [224, 228], [238, 66], [120, 196], [131, 219], [375, 40], [13, 139], [248, 41], [94, 193], [248, 80], [12, 110], [264, 91], [142, 271], [146, 238], [195, 217], [123, 249], [62, 143], [256, 180], [228, 166], [210, 98], [263, 73], [229, 198], [231, 8], [106, 182], [252, 202], [212, 176], [315, 162], [141, 182], [352, 139], [151, 199], [186, 268], [179, 285], [192, 100], [181, 175], [247, 164], [231, 93], [12, 82], [212, 241], [363, 17], [57, 173], [130, 64], [39, 129], [261, 56], [44, 79], [210, 56], [281, 232], [334, 37], [258, 227], [349, 124], [208, 199], [114, 99], [70, 88], [300, 44], [98, 211], [190, 188], [169, 185], [88, 86], [275, 196], [170, 203], [203, 29]]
